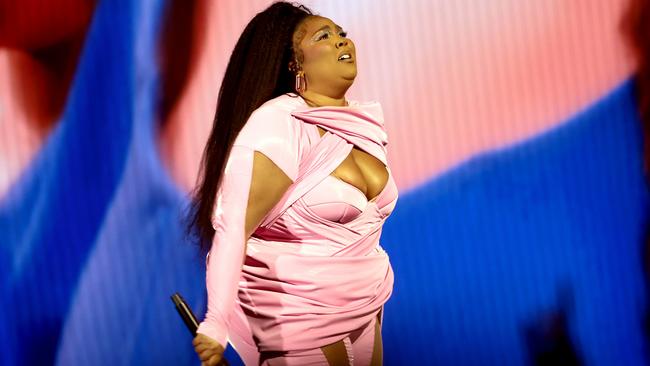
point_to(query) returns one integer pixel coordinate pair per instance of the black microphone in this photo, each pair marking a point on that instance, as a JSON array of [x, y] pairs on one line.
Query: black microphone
[[189, 318], [186, 313]]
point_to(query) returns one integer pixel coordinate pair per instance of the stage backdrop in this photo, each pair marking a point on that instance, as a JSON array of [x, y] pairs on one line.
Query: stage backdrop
[[513, 137]]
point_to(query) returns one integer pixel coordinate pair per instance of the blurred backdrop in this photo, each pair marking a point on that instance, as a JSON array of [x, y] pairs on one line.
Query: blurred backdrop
[[514, 136]]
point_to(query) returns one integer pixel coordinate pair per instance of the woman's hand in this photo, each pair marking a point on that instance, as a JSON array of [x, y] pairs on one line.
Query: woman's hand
[[210, 351]]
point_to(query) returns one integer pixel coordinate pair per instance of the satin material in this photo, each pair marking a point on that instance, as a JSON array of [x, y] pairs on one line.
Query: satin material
[[335, 200], [306, 281]]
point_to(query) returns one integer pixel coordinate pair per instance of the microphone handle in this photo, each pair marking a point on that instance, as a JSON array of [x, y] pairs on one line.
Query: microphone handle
[[189, 319], [186, 313]]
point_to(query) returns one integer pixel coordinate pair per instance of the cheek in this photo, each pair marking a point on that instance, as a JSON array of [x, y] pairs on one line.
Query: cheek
[[319, 54]]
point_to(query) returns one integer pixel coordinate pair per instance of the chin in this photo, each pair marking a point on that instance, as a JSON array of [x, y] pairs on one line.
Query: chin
[[347, 81], [350, 75]]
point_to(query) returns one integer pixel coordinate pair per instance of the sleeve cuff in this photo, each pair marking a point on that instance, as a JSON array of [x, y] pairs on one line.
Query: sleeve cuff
[[213, 332]]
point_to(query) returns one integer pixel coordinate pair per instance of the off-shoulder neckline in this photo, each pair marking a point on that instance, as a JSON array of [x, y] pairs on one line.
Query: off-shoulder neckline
[[351, 102]]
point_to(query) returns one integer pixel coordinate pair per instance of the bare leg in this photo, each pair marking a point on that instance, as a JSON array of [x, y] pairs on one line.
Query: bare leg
[[378, 349], [336, 354]]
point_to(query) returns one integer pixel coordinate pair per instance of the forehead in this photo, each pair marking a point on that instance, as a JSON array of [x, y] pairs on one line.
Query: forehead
[[315, 23]]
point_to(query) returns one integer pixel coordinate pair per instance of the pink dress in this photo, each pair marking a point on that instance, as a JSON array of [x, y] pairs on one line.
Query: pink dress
[[313, 271]]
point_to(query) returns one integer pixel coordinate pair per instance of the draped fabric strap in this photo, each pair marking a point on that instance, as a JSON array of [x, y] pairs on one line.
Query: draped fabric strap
[[324, 157], [360, 124]]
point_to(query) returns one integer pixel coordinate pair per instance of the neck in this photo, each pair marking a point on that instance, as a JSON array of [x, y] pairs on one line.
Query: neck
[[316, 99]]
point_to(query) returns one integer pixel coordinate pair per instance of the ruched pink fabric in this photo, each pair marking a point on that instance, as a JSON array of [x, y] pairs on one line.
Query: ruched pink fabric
[[306, 281], [335, 200]]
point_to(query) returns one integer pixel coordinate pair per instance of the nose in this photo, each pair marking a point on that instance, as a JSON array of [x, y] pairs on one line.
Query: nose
[[342, 42]]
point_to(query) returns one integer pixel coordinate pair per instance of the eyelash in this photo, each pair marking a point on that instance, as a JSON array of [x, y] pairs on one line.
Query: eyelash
[[343, 34]]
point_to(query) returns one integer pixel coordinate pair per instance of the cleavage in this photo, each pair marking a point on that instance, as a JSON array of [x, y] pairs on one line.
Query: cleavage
[[362, 171]]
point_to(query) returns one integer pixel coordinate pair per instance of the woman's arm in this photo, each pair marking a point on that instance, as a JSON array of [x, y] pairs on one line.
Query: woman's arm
[[252, 185], [268, 185]]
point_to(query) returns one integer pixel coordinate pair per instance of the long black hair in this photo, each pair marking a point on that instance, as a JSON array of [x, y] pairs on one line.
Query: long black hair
[[258, 71]]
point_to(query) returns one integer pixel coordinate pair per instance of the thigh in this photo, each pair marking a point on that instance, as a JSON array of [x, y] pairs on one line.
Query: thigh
[[378, 346], [313, 357], [338, 353], [241, 337], [367, 344], [335, 354], [362, 348]]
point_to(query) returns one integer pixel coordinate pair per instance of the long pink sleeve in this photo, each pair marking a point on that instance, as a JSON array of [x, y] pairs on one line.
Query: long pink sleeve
[[228, 246], [272, 132]]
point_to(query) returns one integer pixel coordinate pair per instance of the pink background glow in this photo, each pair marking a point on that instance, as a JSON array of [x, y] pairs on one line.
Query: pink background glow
[[454, 77]]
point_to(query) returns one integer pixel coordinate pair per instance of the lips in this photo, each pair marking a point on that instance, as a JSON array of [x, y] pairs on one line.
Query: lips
[[345, 55]]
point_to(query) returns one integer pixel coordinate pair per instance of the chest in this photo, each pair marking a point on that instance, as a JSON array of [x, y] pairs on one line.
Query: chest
[[361, 170]]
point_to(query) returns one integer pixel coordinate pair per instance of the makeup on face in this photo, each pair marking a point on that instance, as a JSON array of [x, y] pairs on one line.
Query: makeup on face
[[329, 57], [325, 32], [327, 42]]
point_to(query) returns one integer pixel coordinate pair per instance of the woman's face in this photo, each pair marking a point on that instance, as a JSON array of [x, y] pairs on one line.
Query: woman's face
[[327, 56]]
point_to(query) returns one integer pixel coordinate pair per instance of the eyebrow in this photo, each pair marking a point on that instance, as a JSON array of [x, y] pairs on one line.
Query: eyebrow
[[327, 27]]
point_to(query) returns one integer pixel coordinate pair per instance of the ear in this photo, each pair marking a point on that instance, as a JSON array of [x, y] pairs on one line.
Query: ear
[[293, 66]]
